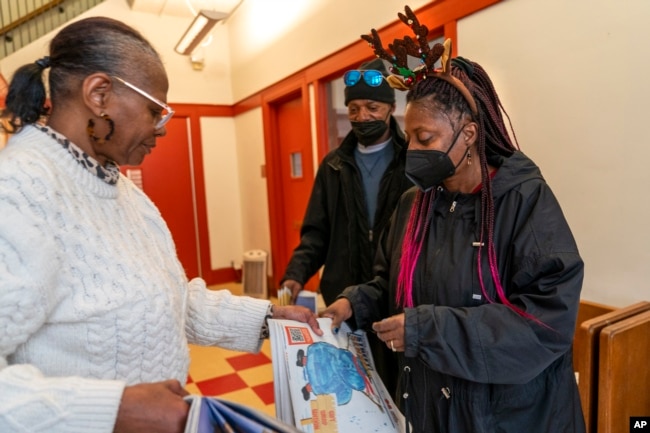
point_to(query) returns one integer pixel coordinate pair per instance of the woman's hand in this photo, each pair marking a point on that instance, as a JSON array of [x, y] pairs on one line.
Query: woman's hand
[[391, 332], [299, 313], [153, 407], [339, 311]]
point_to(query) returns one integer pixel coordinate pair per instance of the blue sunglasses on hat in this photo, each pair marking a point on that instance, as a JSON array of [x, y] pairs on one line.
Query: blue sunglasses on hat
[[372, 77]]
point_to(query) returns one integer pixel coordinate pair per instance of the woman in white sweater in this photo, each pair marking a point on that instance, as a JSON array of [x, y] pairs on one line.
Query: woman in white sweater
[[95, 308]]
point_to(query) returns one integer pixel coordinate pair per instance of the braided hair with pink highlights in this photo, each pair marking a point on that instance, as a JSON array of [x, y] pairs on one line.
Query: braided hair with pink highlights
[[493, 139]]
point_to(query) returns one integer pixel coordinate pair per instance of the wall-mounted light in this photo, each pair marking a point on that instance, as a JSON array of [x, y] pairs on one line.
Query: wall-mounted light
[[198, 30]]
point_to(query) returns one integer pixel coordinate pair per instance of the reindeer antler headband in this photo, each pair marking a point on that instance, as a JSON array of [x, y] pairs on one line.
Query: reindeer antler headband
[[403, 77]]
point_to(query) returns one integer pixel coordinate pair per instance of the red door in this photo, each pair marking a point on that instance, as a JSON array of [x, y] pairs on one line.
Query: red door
[[166, 176], [296, 172]]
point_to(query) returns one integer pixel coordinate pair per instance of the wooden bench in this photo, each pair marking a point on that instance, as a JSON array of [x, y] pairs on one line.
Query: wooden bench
[[586, 351], [624, 373], [586, 310]]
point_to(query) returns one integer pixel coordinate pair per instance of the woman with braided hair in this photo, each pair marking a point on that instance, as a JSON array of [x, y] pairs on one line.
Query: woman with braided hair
[[478, 278]]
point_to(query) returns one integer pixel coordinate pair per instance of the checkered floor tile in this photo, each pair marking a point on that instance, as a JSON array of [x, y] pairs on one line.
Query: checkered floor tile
[[241, 377]]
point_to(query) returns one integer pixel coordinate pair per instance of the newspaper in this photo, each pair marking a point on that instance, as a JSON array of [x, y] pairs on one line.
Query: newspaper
[[216, 415], [329, 383]]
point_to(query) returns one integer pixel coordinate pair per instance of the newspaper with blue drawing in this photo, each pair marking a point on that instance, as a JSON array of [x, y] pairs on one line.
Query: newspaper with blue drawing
[[328, 383]]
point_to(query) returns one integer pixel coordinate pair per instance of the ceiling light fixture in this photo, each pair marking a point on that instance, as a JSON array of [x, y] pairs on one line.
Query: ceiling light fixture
[[198, 30]]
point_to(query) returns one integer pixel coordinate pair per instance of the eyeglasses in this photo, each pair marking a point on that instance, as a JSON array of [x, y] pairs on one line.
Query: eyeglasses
[[164, 118], [372, 77]]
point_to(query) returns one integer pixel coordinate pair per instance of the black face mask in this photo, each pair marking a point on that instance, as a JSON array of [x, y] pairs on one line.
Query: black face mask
[[369, 132], [428, 168]]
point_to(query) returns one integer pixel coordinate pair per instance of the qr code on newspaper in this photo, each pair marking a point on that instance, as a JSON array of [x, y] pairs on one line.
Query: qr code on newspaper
[[298, 335]]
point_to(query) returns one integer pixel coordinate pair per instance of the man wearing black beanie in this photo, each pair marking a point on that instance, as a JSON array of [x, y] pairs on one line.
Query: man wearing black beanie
[[357, 186], [361, 90]]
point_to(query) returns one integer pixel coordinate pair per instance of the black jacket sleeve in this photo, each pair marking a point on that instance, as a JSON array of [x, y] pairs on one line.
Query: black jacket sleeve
[[310, 254], [372, 301]]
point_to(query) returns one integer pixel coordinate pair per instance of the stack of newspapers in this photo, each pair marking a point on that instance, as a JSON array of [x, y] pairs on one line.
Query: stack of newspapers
[[328, 383]]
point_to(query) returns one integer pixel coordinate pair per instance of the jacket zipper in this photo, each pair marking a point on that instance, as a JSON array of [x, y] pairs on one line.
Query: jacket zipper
[[405, 396], [453, 206]]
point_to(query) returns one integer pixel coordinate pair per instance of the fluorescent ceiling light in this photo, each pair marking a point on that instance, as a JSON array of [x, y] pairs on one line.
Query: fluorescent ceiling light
[[198, 30]]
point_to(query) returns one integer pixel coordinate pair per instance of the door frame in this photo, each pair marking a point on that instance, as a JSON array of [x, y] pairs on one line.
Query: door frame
[[193, 113], [294, 87]]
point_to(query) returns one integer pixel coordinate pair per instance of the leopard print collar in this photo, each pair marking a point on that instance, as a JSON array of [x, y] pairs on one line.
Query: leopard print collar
[[109, 173]]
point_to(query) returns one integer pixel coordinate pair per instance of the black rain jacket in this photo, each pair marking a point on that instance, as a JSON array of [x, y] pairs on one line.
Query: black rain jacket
[[471, 365], [335, 232]]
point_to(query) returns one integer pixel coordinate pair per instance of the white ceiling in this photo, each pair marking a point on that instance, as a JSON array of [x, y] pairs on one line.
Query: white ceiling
[[181, 8]]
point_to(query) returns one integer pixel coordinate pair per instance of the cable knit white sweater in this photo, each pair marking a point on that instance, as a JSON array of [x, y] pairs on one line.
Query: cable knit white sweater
[[92, 295]]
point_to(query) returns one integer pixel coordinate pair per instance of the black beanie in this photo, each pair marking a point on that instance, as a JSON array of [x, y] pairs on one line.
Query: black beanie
[[383, 93]]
